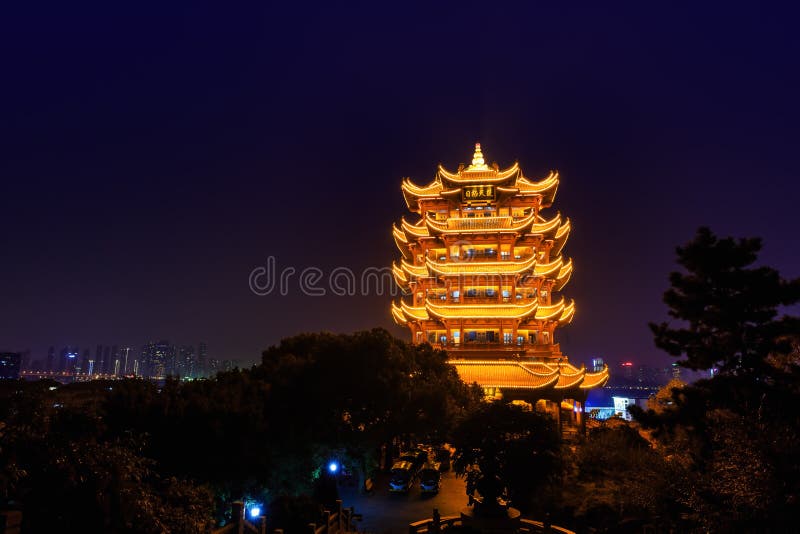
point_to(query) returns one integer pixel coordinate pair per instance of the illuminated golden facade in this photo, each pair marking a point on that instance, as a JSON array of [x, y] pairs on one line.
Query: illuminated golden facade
[[482, 272]]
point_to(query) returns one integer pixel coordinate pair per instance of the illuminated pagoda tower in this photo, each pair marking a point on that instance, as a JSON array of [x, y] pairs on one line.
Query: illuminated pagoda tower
[[482, 272]]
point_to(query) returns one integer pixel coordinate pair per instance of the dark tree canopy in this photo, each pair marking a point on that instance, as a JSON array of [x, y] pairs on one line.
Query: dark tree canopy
[[259, 433], [730, 307], [506, 452], [734, 436], [365, 385]]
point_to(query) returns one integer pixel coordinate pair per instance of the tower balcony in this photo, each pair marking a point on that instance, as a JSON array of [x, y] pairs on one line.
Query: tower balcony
[[489, 267], [478, 223], [479, 300], [489, 311], [478, 256], [501, 350], [481, 224]]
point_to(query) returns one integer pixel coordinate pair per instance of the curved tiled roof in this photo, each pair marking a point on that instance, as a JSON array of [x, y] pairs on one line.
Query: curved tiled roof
[[527, 375]]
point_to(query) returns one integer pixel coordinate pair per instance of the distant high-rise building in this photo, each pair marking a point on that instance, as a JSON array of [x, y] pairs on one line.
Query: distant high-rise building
[[171, 365], [114, 363], [49, 365], [84, 365], [124, 356], [155, 358], [69, 359], [676, 371], [98, 360], [213, 366], [598, 365], [203, 367], [10, 365], [652, 376], [627, 370], [144, 360], [108, 363], [186, 362], [62, 359], [25, 360]]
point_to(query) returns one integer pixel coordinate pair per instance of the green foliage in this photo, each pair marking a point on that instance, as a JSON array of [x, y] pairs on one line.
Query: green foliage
[[617, 476], [70, 475], [174, 506], [176, 452], [366, 384], [734, 438], [507, 453], [119, 455], [730, 307]]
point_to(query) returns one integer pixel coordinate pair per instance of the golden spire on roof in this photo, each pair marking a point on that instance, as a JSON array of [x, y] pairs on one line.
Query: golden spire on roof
[[477, 160]]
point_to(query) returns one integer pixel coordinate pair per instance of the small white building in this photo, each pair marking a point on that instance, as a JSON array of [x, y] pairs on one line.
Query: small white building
[[621, 406]]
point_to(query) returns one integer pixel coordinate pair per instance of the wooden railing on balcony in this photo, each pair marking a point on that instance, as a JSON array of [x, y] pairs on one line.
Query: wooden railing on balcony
[[477, 257], [480, 300], [478, 223], [488, 345]]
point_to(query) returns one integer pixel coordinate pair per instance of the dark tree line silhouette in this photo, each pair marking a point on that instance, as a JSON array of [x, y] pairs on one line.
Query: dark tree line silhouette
[[78, 455]]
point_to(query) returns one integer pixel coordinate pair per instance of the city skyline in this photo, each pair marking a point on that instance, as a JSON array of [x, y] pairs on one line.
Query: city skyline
[[155, 359]]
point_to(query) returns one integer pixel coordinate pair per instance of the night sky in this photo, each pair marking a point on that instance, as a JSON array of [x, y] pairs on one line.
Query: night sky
[[153, 156]]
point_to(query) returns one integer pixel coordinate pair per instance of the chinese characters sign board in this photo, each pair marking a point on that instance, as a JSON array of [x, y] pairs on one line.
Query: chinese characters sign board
[[471, 193]]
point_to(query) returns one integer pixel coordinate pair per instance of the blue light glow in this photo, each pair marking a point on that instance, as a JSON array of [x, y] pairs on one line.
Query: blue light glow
[[333, 467], [255, 511]]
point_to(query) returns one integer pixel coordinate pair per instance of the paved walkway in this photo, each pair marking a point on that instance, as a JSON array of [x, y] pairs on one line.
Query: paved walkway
[[389, 513]]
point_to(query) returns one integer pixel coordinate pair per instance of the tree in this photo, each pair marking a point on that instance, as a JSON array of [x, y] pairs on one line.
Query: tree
[[662, 400], [506, 453], [730, 307], [616, 476], [160, 457], [733, 434], [362, 389], [60, 465], [266, 431]]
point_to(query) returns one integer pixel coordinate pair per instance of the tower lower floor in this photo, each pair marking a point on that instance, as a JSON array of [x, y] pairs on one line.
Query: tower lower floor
[[549, 384]]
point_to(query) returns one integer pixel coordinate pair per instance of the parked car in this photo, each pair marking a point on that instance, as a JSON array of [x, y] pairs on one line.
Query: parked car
[[417, 457], [430, 478], [402, 477]]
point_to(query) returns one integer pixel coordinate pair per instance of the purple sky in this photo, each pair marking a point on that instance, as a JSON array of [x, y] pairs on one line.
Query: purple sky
[[154, 156]]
